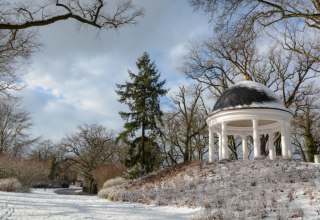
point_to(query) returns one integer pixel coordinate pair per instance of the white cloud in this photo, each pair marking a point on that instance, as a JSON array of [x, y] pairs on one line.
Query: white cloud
[[72, 80]]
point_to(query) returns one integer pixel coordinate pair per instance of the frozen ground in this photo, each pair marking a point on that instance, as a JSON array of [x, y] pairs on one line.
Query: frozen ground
[[42, 204], [253, 189]]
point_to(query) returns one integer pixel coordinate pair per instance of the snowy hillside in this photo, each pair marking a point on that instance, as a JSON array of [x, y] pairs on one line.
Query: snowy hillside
[[258, 189]]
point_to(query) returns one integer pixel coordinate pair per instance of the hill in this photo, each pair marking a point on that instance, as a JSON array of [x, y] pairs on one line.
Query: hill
[[254, 189]]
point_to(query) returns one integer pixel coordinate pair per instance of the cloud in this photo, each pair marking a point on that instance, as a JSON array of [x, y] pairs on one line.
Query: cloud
[[72, 80]]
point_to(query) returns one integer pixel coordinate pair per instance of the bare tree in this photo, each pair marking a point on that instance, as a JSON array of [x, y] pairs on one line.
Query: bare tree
[[219, 62], [262, 12], [54, 156], [15, 48], [43, 151], [90, 147], [184, 135], [14, 126], [17, 15], [306, 135], [272, 16]]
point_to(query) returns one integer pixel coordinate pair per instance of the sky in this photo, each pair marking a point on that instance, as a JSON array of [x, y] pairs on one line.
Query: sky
[[72, 79]]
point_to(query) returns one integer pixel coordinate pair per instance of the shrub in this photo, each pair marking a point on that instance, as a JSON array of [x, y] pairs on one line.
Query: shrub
[[106, 193], [113, 182], [10, 185], [107, 171], [111, 188], [27, 172]]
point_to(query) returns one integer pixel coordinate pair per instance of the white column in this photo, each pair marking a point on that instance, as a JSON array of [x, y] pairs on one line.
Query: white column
[[220, 146], [244, 147], [284, 139], [272, 152], [224, 139], [256, 139], [288, 140], [211, 145]]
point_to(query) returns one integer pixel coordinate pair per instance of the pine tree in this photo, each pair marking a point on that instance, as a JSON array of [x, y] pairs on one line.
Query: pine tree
[[142, 95]]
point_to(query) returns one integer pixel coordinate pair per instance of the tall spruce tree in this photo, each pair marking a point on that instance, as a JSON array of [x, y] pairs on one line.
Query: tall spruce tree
[[142, 95]]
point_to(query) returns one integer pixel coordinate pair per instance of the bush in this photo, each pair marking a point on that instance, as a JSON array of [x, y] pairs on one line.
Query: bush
[[10, 185], [111, 188], [106, 193], [107, 171], [113, 182], [27, 172]]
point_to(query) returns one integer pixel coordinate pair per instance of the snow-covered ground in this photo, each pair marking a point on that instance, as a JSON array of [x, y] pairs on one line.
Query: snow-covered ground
[[42, 204], [252, 189]]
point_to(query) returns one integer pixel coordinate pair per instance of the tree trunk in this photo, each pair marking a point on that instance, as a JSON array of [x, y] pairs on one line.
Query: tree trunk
[[277, 143], [233, 147], [90, 186], [53, 166], [186, 152], [142, 149], [263, 145]]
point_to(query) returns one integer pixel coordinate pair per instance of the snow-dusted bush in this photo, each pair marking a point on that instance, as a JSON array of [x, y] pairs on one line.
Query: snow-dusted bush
[[10, 185], [110, 189], [107, 193], [114, 193], [114, 182]]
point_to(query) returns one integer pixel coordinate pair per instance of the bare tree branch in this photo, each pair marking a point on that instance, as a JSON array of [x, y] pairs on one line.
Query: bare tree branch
[[90, 13]]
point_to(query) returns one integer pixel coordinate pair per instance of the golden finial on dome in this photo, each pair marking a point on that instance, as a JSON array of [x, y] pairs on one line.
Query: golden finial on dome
[[246, 77]]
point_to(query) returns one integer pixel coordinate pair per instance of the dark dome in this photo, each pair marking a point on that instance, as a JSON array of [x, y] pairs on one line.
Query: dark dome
[[248, 94]]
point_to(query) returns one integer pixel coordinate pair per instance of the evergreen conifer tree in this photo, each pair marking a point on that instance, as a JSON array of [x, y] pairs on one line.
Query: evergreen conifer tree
[[142, 95]]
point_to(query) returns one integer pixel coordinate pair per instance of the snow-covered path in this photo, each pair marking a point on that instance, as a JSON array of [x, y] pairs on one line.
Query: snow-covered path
[[47, 205]]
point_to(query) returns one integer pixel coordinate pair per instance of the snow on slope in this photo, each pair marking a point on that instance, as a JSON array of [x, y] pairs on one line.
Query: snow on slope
[[254, 189], [42, 204]]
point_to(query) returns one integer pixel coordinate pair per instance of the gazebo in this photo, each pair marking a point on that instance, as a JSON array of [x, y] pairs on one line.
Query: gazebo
[[249, 108]]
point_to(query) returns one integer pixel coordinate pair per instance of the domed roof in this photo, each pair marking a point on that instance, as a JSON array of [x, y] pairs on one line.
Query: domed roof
[[248, 94]]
